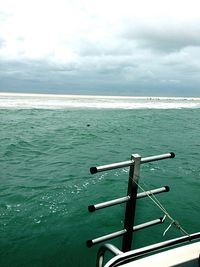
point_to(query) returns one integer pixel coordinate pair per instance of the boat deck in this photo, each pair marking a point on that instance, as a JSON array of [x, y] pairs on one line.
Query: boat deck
[[184, 256]]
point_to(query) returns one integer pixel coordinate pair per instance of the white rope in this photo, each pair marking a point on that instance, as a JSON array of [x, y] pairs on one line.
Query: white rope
[[161, 207]]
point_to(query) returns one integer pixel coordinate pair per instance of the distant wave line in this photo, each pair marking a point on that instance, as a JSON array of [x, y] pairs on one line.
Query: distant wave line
[[17, 102], [70, 96]]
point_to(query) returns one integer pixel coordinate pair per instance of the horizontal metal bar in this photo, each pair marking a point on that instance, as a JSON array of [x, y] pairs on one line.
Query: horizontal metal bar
[[148, 224], [95, 241], [109, 203], [112, 166], [92, 208], [132, 255], [128, 163], [154, 191], [159, 157]]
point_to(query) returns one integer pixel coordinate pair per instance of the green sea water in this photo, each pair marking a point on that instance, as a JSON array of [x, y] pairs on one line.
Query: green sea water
[[46, 186]]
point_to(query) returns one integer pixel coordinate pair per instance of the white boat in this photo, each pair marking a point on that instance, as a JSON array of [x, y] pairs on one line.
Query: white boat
[[183, 251]]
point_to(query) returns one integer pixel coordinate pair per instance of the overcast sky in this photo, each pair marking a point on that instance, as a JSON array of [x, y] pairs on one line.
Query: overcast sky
[[113, 47]]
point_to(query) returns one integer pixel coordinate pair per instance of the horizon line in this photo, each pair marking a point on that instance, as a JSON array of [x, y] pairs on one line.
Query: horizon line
[[84, 96]]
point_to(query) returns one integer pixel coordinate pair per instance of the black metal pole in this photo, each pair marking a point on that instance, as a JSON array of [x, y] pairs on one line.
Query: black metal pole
[[131, 204]]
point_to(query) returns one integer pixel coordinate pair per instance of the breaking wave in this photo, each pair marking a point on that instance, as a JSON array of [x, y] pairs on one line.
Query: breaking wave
[[28, 101]]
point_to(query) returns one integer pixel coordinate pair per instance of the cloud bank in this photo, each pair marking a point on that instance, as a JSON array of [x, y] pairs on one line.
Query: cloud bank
[[100, 47]]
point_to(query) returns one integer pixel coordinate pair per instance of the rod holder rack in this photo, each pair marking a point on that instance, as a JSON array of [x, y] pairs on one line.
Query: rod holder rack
[[130, 200]]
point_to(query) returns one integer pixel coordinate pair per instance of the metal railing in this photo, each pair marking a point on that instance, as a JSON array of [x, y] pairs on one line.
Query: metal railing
[[123, 258], [130, 199]]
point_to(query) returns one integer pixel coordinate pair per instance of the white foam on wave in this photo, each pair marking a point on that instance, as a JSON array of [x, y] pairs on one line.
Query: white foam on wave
[[27, 101]]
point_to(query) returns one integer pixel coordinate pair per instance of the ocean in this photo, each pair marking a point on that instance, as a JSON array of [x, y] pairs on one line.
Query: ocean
[[49, 143]]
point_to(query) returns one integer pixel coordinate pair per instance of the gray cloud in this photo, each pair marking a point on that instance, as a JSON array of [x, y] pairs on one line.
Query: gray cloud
[[142, 72], [137, 57], [164, 36]]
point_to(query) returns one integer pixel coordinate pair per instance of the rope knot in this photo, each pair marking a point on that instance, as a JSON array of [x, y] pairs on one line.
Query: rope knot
[[177, 224]]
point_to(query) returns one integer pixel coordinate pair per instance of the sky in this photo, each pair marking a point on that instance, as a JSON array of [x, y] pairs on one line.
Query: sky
[[101, 47]]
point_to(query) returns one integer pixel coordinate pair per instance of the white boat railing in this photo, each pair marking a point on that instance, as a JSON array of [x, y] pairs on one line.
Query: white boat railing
[[123, 258]]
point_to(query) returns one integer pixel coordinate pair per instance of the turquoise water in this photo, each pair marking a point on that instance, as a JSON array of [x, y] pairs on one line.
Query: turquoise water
[[45, 156]]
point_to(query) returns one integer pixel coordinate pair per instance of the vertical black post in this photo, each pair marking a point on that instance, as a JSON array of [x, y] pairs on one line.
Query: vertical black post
[[131, 204]]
